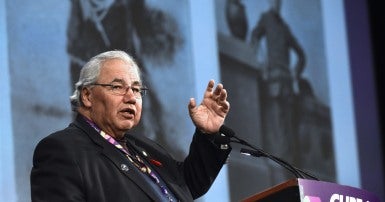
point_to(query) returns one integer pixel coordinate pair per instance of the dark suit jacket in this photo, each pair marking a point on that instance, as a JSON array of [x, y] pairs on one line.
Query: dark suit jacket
[[77, 164]]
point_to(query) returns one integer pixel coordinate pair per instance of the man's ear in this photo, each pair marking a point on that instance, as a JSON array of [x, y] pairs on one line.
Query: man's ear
[[86, 97]]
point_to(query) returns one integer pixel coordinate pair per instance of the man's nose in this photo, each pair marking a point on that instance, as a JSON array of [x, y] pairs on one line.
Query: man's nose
[[129, 95]]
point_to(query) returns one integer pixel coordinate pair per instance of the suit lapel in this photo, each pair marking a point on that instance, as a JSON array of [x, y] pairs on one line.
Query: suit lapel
[[128, 169], [150, 155], [169, 176], [116, 157]]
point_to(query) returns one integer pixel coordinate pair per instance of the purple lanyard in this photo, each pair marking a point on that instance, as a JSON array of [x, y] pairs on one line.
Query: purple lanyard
[[135, 159]]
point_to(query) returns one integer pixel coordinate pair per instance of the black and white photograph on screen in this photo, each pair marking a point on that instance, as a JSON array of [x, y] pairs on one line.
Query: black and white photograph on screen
[[279, 87]]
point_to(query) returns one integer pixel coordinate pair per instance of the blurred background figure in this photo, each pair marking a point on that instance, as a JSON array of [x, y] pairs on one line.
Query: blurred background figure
[[279, 77]]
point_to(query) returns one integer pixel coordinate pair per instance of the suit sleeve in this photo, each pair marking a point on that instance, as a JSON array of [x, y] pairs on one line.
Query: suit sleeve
[[55, 175], [203, 163]]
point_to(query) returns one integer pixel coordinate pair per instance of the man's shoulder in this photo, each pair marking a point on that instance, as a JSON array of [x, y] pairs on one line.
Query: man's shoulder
[[70, 134]]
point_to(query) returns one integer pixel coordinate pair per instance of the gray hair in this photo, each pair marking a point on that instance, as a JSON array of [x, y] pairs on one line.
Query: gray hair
[[91, 71]]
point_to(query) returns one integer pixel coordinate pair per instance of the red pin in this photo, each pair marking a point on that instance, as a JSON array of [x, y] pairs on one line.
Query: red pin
[[155, 162]]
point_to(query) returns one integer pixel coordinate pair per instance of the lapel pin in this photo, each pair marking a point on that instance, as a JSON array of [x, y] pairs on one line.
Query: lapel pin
[[155, 162], [124, 167]]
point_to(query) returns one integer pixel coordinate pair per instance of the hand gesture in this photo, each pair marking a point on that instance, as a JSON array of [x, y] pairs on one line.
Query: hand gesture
[[211, 113]]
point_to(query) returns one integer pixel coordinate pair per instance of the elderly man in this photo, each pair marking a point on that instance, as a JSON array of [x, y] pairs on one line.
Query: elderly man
[[95, 159]]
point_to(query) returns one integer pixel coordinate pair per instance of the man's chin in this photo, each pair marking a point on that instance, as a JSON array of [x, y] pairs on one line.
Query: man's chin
[[128, 125]]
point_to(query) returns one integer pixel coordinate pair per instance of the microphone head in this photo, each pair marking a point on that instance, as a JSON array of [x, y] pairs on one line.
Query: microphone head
[[249, 152], [226, 131]]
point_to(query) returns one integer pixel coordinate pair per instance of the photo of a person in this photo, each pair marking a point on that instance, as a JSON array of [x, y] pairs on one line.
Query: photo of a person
[[279, 79]]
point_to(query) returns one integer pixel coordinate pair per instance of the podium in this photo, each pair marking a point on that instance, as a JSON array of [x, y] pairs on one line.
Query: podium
[[303, 190]]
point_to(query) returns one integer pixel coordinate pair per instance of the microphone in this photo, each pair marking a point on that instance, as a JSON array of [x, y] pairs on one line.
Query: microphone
[[256, 152], [226, 131], [250, 152], [296, 171]]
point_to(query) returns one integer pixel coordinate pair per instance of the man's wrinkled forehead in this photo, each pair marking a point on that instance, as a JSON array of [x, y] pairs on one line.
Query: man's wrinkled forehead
[[127, 73]]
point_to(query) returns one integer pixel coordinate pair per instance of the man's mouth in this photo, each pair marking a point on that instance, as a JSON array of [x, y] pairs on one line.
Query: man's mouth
[[128, 112]]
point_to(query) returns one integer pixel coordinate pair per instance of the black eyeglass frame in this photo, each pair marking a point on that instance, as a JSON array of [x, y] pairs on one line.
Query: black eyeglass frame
[[135, 88]]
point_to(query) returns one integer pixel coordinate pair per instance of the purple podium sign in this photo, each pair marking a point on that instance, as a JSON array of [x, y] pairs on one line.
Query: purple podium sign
[[302, 190], [319, 191]]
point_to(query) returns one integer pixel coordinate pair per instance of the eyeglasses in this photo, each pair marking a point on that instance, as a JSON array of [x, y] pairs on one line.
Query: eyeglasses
[[120, 89]]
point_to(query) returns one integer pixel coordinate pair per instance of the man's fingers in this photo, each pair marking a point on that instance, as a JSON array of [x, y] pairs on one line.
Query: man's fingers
[[191, 104], [226, 106], [223, 95], [218, 90], [210, 86]]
